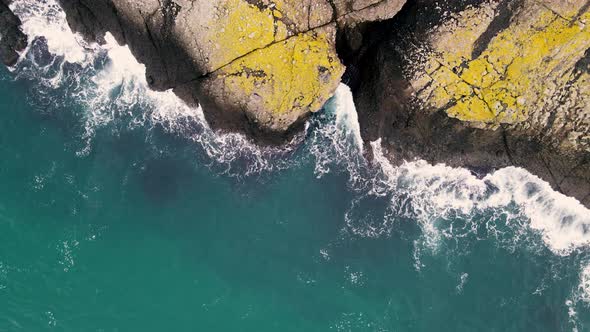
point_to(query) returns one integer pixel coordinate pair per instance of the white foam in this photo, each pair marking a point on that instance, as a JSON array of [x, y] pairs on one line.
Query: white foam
[[563, 221], [584, 286], [572, 315], [47, 19], [462, 281], [337, 141], [347, 119], [581, 294], [439, 191], [120, 86]]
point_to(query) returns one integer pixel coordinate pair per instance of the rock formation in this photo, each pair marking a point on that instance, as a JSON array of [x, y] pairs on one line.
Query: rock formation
[[528, 75], [258, 66], [484, 85], [12, 39]]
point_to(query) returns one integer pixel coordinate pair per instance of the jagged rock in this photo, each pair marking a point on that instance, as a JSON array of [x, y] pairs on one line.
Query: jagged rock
[[517, 74], [484, 85], [12, 39], [256, 65]]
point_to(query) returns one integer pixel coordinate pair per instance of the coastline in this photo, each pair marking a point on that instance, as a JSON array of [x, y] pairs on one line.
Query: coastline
[[378, 61]]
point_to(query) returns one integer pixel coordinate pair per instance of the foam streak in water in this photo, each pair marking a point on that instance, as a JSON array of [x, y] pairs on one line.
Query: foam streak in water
[[438, 191]]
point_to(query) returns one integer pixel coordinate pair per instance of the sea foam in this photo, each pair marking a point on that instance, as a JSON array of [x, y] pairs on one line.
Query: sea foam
[[440, 190]]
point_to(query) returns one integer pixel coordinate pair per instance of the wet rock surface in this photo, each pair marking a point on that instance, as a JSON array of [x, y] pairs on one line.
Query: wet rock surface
[[12, 39]]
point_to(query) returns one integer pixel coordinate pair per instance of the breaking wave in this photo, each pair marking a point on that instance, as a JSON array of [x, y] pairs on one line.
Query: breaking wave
[[510, 205], [335, 138], [513, 194]]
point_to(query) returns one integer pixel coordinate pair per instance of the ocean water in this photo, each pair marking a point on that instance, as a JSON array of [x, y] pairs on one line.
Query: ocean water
[[120, 210]]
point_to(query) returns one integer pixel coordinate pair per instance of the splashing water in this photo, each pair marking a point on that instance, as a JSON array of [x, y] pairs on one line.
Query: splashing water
[[47, 19], [439, 191], [347, 120], [584, 287], [338, 126]]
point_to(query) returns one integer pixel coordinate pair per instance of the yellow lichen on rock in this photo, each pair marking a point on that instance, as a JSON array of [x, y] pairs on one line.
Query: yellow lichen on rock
[[299, 73], [520, 67], [238, 28], [270, 61]]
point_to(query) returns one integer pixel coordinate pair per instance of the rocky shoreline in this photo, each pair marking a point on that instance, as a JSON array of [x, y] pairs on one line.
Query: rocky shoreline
[[469, 83]]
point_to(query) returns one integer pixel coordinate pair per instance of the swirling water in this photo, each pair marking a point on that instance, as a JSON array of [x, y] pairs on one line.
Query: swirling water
[[120, 210]]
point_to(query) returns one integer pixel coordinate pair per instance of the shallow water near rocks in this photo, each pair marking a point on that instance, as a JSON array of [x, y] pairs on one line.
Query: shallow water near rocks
[[121, 211]]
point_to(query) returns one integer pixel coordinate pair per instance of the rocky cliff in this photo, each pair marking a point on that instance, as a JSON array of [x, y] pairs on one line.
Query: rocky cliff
[[257, 66]]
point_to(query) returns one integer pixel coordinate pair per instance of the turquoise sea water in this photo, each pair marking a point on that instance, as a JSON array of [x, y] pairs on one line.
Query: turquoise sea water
[[121, 211]]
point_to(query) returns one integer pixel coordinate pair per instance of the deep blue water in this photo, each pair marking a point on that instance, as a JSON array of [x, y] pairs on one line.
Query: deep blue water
[[121, 211]]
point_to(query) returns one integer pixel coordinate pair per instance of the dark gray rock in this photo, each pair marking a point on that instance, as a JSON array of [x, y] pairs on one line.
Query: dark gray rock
[[12, 39]]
